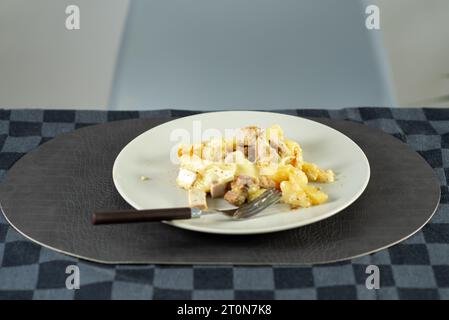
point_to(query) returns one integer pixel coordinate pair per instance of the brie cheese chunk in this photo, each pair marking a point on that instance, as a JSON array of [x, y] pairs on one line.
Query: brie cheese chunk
[[186, 178]]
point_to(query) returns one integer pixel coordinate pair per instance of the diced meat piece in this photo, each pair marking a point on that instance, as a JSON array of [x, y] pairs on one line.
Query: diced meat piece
[[251, 152], [217, 190], [243, 182], [279, 146], [240, 188], [265, 152], [266, 183], [236, 197], [247, 136], [197, 199]]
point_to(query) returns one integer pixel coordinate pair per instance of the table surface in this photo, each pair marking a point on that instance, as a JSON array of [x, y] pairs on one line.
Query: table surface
[[417, 268]]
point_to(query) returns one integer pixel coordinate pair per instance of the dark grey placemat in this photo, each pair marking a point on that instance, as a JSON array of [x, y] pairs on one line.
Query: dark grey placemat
[[51, 192]]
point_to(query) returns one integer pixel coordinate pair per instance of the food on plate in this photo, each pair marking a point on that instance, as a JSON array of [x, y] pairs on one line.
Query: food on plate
[[197, 199], [242, 167]]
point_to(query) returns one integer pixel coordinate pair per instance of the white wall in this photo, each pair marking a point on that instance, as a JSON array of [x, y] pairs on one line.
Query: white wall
[[44, 65], [416, 39]]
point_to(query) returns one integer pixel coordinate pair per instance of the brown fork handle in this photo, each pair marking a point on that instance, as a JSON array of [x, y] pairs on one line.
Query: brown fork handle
[[130, 216]]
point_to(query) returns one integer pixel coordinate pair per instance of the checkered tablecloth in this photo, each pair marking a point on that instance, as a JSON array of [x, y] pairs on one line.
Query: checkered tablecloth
[[418, 268]]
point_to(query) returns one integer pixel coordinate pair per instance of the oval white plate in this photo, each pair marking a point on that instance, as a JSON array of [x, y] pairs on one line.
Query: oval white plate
[[149, 155]]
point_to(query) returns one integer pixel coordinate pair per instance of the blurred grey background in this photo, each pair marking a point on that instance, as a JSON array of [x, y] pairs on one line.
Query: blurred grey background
[[223, 54]]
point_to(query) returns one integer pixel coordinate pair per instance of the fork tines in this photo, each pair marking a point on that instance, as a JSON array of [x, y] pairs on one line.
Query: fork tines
[[265, 200]]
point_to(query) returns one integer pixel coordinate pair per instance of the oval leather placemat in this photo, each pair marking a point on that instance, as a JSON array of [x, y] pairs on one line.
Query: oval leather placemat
[[50, 194]]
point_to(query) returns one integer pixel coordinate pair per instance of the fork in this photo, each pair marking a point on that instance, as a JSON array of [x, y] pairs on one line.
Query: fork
[[247, 210]]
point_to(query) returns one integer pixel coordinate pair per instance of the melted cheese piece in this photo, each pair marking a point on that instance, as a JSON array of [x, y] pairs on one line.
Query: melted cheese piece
[[186, 178], [215, 173]]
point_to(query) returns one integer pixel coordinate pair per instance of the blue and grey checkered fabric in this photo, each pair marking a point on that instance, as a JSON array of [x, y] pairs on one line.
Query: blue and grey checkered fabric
[[418, 268]]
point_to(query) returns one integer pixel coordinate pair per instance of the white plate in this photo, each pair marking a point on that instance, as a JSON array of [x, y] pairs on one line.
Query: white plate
[[149, 155]]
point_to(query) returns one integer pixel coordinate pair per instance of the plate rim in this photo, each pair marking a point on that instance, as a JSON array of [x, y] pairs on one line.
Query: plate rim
[[176, 223]]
